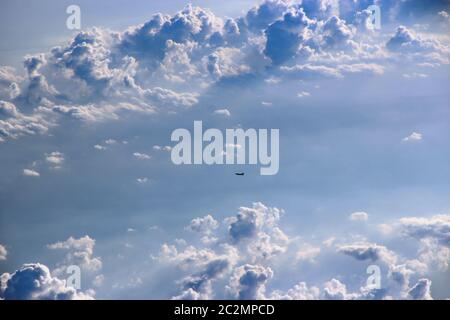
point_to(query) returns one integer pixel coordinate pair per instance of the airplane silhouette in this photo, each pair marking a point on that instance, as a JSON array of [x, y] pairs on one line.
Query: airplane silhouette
[[239, 173]]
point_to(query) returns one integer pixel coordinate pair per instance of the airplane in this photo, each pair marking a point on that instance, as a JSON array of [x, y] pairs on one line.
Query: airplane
[[239, 173]]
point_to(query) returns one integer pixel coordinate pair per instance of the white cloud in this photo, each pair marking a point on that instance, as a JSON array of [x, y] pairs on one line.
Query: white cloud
[[205, 225], [368, 251], [359, 216], [34, 282], [162, 148], [415, 136], [99, 147], [336, 290], [435, 227], [141, 156], [307, 252], [303, 94], [142, 180], [55, 159], [80, 252], [30, 173], [3, 253], [299, 292], [223, 112]]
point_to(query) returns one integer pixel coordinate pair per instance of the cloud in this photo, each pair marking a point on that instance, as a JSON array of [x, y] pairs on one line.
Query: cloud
[[259, 17], [435, 227], [303, 94], [336, 34], [80, 252], [250, 220], [307, 253], [244, 258], [198, 286], [30, 173], [287, 33], [433, 234], [205, 225], [99, 147], [311, 71], [9, 83], [14, 124], [222, 253], [162, 148], [3, 253], [368, 251], [101, 75], [223, 112], [406, 41], [205, 267], [359, 216], [141, 156], [336, 290], [248, 282], [55, 159], [415, 136], [34, 282], [421, 290], [300, 291], [142, 180]]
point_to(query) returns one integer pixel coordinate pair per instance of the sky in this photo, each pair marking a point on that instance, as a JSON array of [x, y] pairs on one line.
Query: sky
[[87, 180]]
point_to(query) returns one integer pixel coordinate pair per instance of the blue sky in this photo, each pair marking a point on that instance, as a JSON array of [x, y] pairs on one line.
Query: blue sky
[[87, 178]]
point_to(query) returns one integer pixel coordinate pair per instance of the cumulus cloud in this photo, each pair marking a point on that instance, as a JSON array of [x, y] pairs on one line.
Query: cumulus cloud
[[287, 33], [79, 252], [248, 282], [300, 291], [203, 225], [407, 42], [250, 220], [241, 256], [101, 75], [34, 282], [165, 64], [433, 234], [206, 266], [336, 290]]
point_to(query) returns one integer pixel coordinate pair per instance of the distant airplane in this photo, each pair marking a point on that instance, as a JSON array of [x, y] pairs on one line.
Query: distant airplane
[[239, 173]]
